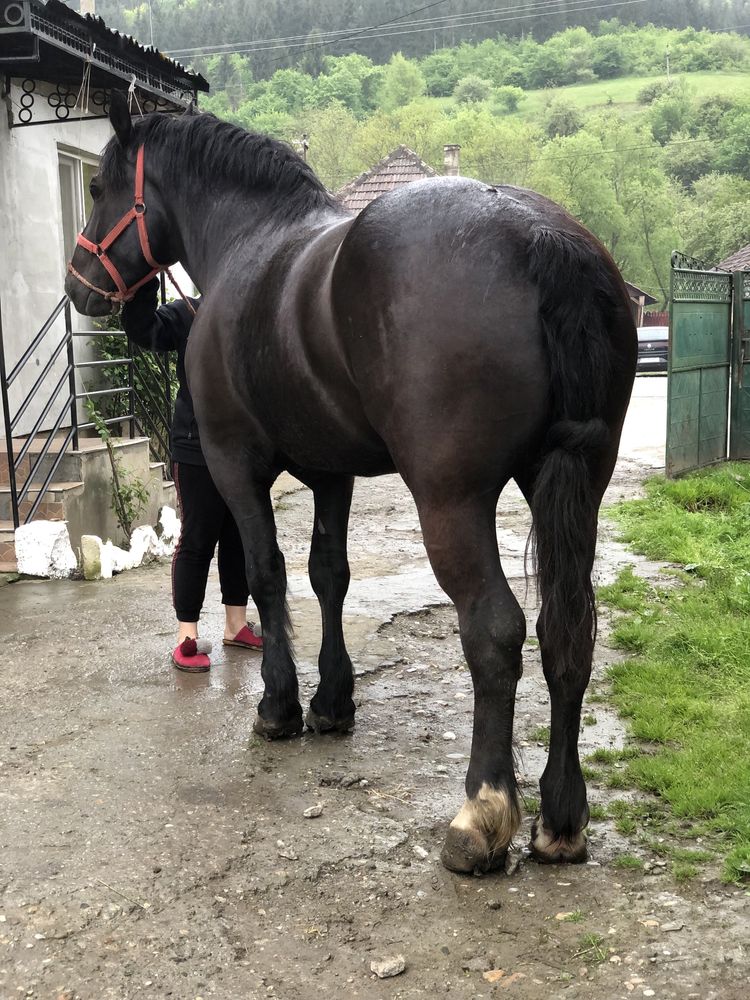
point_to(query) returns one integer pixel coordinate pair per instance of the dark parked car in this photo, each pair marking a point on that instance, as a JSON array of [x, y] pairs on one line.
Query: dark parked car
[[653, 348]]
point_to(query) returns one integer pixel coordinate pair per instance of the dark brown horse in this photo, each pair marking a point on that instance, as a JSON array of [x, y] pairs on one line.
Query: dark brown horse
[[460, 334]]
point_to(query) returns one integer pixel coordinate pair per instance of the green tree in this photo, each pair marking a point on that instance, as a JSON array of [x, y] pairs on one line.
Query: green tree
[[331, 153], [608, 57], [686, 158], [471, 89], [341, 86], [671, 113], [508, 98], [295, 90], [313, 53], [734, 148], [377, 136], [440, 72], [492, 149], [560, 118], [402, 82], [716, 220]]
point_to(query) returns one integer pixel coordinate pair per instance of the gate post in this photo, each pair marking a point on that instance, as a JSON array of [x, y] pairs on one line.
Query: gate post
[[739, 420]]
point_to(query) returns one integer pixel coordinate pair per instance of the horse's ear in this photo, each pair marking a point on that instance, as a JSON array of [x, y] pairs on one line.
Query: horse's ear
[[119, 116], [190, 110]]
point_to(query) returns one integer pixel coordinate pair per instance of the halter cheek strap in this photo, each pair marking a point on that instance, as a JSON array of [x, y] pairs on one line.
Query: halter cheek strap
[[137, 214]]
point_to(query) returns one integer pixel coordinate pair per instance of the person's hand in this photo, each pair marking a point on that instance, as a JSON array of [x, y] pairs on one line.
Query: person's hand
[[144, 303]]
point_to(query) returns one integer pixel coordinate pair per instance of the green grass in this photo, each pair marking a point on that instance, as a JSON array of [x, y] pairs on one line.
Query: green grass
[[540, 735], [591, 948], [628, 862], [623, 91], [683, 871], [687, 689]]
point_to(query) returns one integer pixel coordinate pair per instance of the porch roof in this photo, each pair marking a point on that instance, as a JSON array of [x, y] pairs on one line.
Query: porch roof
[[51, 42]]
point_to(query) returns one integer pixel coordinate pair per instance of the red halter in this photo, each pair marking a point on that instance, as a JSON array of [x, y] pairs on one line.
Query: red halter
[[124, 292]]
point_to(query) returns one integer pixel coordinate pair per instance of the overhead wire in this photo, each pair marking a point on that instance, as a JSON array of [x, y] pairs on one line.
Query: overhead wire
[[371, 27], [528, 11], [335, 34]]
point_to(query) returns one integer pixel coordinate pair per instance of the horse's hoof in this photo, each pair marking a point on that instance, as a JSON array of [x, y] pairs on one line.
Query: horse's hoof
[[479, 836], [550, 850], [322, 724], [468, 851], [270, 730]]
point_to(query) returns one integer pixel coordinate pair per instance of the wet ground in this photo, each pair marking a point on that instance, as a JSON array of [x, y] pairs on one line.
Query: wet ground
[[151, 846]]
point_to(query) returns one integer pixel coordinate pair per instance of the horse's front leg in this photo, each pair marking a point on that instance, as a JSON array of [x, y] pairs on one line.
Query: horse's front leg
[[332, 707], [248, 496], [279, 711]]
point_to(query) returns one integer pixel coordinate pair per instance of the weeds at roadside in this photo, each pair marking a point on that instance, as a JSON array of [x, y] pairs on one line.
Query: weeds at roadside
[[540, 735], [591, 947], [686, 690], [628, 861]]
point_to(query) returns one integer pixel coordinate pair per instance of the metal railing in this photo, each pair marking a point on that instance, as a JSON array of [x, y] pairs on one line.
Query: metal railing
[[21, 487], [144, 395], [141, 401]]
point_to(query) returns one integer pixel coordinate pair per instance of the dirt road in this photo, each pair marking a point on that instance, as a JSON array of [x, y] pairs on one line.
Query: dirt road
[[151, 846]]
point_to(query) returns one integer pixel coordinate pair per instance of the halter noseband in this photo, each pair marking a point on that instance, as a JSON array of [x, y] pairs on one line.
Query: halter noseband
[[137, 213]]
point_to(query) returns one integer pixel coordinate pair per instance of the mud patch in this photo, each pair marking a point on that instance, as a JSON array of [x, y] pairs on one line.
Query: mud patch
[[153, 847]]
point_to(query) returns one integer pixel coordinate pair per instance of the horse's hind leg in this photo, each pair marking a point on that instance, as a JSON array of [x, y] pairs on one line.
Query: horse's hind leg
[[557, 833], [332, 707], [462, 546], [566, 546]]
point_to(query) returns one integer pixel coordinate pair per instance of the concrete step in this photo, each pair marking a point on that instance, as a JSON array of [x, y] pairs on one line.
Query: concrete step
[[7, 548], [133, 454], [52, 507]]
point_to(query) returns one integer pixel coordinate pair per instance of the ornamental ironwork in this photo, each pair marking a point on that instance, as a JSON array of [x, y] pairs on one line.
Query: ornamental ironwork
[[63, 101], [684, 261], [701, 286]]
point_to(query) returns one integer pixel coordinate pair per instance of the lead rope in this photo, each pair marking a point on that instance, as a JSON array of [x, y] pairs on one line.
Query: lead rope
[[180, 292]]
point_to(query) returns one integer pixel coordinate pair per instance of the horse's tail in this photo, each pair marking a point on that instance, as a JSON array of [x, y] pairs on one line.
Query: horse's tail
[[580, 297]]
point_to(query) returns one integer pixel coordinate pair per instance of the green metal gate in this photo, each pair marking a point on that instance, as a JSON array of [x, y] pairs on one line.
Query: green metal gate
[[708, 394], [739, 426]]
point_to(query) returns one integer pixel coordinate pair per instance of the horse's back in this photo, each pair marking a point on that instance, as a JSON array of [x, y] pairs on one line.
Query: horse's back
[[439, 321], [439, 293]]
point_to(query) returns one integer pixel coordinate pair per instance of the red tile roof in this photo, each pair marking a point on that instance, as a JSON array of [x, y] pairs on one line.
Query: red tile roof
[[402, 166], [738, 261]]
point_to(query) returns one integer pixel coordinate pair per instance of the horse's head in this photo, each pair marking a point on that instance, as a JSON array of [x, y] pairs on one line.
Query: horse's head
[[126, 238]]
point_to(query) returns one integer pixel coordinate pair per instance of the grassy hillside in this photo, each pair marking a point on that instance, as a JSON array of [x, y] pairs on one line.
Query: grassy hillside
[[622, 92]]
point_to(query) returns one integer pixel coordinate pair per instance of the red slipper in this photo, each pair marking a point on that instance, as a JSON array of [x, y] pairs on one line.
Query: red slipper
[[247, 638], [187, 656]]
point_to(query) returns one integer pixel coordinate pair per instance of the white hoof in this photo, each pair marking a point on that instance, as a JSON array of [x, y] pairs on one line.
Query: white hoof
[[480, 834]]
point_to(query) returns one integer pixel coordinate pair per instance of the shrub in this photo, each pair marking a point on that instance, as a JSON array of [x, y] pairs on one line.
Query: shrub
[[653, 90], [561, 118], [509, 97], [471, 89]]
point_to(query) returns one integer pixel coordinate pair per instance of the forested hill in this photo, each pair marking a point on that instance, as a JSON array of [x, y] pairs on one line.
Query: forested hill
[[279, 33], [643, 133]]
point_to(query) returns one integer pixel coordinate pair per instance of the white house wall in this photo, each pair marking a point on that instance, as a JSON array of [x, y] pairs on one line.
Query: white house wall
[[31, 238]]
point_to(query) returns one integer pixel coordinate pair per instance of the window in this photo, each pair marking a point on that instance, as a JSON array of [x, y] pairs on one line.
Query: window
[[75, 172]]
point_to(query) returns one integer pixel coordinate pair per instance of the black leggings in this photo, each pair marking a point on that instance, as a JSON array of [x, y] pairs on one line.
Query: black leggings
[[206, 520]]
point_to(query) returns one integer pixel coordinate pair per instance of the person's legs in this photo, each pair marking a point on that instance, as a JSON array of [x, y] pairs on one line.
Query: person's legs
[[233, 582], [201, 513]]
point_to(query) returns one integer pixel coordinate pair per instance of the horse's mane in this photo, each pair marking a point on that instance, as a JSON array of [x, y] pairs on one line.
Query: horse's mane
[[216, 153]]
